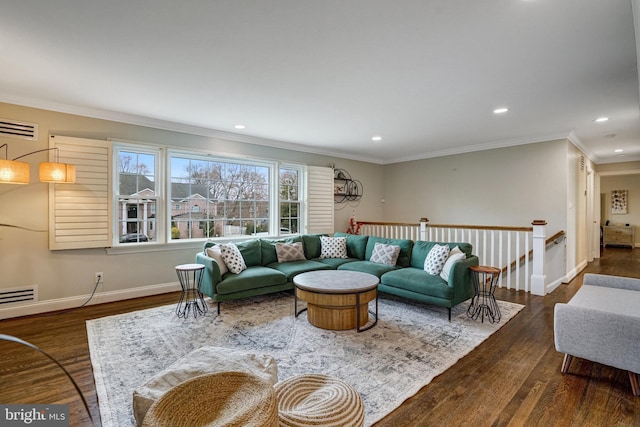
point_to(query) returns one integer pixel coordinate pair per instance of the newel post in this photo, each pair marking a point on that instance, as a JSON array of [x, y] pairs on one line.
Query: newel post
[[538, 277], [424, 222]]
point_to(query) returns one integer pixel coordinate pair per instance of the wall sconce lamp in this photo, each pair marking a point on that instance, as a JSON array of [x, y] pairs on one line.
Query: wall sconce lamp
[[14, 172]]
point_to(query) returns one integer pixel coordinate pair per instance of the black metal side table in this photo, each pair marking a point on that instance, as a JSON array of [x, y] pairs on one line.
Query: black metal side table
[[191, 299], [483, 303]]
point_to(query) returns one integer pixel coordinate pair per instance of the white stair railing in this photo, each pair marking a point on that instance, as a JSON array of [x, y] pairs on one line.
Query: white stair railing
[[504, 247]]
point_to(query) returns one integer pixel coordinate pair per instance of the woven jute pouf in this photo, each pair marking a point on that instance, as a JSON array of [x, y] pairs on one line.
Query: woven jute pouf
[[220, 399], [318, 400]]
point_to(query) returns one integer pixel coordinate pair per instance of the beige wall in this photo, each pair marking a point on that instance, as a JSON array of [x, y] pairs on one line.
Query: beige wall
[[507, 186], [25, 258]]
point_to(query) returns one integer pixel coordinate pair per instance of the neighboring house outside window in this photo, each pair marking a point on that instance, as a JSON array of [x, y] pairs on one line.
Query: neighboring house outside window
[[136, 196], [221, 198], [203, 197]]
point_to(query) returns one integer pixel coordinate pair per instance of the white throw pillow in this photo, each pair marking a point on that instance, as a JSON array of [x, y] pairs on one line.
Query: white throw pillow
[[455, 255], [232, 258], [215, 253], [436, 259], [287, 252], [385, 254], [333, 247]]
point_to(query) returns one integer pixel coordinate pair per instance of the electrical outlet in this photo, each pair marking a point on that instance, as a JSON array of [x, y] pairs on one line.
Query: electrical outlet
[[99, 277]]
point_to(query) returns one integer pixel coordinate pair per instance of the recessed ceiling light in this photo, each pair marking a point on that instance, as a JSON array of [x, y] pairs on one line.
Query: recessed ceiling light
[[601, 119], [619, 150], [500, 110], [239, 126], [376, 138]]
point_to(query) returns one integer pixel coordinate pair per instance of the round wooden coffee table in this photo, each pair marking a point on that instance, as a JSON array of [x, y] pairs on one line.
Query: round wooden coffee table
[[337, 299]]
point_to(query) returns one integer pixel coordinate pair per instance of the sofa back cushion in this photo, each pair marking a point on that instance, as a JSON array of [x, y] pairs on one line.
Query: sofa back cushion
[[421, 250], [268, 248], [312, 245], [356, 245], [405, 249], [250, 251]]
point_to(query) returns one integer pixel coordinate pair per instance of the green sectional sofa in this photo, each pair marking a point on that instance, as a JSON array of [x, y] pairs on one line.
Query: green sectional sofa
[[264, 274]]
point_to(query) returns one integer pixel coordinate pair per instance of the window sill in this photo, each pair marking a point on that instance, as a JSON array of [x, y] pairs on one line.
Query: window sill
[[135, 248]]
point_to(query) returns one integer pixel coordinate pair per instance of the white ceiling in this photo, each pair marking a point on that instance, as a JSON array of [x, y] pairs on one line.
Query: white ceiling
[[327, 75]]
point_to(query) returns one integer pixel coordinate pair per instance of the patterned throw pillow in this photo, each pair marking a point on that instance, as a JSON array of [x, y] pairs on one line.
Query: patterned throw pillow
[[232, 258], [215, 252], [436, 259], [287, 252], [333, 247], [385, 254], [455, 255]]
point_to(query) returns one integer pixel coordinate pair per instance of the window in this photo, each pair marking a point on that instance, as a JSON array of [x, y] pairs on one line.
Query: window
[[219, 198], [133, 194], [136, 195], [289, 199]]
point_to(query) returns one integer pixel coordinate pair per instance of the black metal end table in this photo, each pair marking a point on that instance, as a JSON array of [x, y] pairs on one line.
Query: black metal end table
[[483, 303], [191, 299]]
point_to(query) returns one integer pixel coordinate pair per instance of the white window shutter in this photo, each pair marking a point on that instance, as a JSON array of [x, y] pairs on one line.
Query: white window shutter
[[80, 213], [319, 200]]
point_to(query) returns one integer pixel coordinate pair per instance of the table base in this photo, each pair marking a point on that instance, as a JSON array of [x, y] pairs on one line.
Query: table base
[[338, 311]]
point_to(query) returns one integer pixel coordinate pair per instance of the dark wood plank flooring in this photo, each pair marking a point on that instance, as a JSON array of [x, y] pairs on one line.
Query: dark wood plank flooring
[[512, 379]]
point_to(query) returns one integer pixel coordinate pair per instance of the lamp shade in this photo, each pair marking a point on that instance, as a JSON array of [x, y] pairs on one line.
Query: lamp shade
[[57, 172], [13, 172]]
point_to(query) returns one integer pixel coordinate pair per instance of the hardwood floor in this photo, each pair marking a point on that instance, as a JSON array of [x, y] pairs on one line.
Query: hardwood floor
[[512, 379]]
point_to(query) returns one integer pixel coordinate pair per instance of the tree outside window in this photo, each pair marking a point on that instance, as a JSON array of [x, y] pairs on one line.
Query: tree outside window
[[289, 190]]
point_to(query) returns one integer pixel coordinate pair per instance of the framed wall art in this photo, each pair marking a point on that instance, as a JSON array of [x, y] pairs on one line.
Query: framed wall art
[[619, 201]]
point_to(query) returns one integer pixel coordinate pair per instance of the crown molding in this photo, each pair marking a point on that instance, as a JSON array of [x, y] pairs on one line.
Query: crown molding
[[480, 147], [167, 125], [573, 138]]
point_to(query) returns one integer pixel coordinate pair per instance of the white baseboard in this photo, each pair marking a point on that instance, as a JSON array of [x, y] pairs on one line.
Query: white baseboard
[[99, 298], [567, 277], [571, 274], [554, 285]]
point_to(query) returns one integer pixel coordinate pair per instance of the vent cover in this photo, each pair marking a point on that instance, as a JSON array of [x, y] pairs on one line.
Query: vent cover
[[17, 295], [20, 130], [581, 163]]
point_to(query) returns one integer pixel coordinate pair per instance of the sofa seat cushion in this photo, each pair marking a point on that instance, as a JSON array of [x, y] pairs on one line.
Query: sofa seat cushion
[[419, 281], [368, 267], [251, 278], [334, 263], [293, 268]]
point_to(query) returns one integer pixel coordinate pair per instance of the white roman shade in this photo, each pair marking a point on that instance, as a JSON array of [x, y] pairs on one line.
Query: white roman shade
[[80, 213], [320, 200]]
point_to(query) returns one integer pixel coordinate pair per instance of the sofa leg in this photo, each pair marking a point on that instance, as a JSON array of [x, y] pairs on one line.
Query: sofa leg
[[218, 307], [565, 363], [449, 308], [635, 383]]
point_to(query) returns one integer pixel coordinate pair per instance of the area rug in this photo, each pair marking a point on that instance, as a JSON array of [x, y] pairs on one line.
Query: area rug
[[411, 344]]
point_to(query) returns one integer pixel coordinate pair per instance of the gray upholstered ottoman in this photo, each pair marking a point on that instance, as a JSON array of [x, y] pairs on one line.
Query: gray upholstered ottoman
[[601, 323], [204, 360]]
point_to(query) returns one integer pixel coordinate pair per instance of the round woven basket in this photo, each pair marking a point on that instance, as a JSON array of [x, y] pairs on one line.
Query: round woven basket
[[318, 400], [218, 399]]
